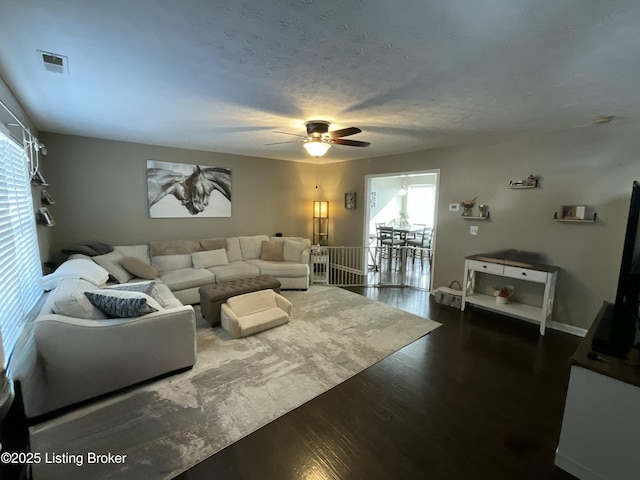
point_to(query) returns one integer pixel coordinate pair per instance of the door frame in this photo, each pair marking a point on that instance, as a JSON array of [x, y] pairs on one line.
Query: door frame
[[367, 211]]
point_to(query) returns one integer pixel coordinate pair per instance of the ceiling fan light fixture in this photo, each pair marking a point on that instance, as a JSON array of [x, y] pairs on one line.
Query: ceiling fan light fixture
[[316, 147]]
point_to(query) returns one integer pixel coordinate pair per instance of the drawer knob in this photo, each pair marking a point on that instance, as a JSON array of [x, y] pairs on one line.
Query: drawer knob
[[484, 266], [524, 274]]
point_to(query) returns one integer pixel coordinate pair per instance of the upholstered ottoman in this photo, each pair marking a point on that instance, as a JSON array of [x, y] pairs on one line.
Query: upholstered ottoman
[[212, 296]]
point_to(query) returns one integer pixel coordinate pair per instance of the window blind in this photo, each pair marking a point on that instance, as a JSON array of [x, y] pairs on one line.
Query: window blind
[[19, 253]]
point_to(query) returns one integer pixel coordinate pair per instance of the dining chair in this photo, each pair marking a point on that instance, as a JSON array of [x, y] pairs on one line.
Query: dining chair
[[389, 242], [374, 241], [421, 243]]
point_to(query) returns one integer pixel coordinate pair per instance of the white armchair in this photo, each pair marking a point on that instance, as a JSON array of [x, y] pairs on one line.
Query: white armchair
[[244, 315]]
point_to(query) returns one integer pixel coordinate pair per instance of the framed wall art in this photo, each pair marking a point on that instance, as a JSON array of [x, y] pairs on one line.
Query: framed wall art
[[177, 190], [350, 200]]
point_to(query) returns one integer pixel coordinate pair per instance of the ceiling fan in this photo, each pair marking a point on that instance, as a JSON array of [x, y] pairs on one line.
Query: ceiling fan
[[319, 139]]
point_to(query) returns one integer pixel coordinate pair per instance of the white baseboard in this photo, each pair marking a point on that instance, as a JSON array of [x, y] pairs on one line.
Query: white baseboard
[[563, 327]]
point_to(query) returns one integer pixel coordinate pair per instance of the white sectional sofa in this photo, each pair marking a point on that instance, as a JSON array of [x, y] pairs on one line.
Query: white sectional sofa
[[73, 351], [186, 265]]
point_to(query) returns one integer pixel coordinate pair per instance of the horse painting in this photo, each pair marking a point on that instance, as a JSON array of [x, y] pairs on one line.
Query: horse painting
[[191, 185]]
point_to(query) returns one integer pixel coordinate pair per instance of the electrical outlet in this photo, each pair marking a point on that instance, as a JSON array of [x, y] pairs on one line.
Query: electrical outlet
[[473, 230], [454, 207]]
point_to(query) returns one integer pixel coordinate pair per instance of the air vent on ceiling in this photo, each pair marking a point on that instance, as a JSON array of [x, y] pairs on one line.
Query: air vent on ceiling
[[53, 62]]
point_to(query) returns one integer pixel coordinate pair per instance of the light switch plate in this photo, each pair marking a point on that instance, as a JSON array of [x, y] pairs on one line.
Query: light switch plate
[[473, 230], [454, 207]]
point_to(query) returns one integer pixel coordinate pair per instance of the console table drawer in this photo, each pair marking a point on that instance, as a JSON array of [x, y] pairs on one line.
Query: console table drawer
[[486, 267], [525, 274]]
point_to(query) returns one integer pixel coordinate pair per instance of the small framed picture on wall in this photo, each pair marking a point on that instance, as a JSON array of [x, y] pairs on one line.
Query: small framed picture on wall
[[350, 200]]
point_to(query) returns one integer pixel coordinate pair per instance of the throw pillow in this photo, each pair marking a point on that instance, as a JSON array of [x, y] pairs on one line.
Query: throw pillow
[[251, 246], [122, 304], [272, 251], [209, 258], [111, 262], [148, 288], [76, 268], [69, 299], [137, 267], [293, 250], [234, 254], [138, 251]]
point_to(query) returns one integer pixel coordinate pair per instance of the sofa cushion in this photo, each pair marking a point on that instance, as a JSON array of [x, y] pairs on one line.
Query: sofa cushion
[[213, 243], [138, 268], [293, 249], [69, 299], [76, 268], [174, 247], [165, 263], [272, 251], [121, 303], [209, 258], [235, 271], [112, 263], [165, 297], [258, 322], [184, 278], [281, 269], [251, 247], [234, 254]]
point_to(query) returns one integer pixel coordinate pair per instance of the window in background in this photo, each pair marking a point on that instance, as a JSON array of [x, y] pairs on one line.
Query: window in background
[[421, 204], [19, 253]]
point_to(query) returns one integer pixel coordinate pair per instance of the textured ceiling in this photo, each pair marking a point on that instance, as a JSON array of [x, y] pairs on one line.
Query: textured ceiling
[[221, 75]]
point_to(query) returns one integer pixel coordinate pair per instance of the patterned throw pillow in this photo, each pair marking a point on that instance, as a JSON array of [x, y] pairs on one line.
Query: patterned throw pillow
[[122, 304], [148, 288]]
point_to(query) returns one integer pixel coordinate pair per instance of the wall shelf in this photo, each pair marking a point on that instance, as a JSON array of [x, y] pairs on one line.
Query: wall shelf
[[475, 217], [529, 182], [576, 214], [570, 220]]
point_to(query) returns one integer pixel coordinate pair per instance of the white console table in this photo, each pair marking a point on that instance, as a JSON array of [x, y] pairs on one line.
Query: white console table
[[504, 266]]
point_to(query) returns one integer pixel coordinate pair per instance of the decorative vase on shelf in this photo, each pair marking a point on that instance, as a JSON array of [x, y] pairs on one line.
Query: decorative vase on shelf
[[467, 207]]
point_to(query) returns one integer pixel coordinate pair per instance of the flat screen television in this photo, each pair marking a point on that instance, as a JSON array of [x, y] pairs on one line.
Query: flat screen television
[[617, 330]]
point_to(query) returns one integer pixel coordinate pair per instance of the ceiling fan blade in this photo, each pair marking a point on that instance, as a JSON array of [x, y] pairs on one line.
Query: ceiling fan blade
[[344, 132], [288, 141], [351, 143], [293, 134]]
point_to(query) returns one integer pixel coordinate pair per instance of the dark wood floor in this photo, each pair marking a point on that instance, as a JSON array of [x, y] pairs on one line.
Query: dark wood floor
[[479, 398]]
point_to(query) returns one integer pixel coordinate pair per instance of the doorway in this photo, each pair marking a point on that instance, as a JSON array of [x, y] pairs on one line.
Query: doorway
[[408, 201]]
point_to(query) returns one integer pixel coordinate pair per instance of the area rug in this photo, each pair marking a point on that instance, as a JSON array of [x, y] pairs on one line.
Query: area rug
[[164, 427]]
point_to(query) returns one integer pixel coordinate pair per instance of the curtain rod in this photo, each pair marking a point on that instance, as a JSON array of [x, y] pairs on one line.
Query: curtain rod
[[22, 125], [30, 142]]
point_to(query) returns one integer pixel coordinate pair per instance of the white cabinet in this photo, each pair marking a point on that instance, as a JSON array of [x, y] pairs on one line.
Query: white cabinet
[[599, 437], [543, 274]]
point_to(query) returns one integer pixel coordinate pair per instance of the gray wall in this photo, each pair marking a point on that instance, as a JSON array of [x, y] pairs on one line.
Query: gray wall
[[101, 194], [100, 189], [594, 166]]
